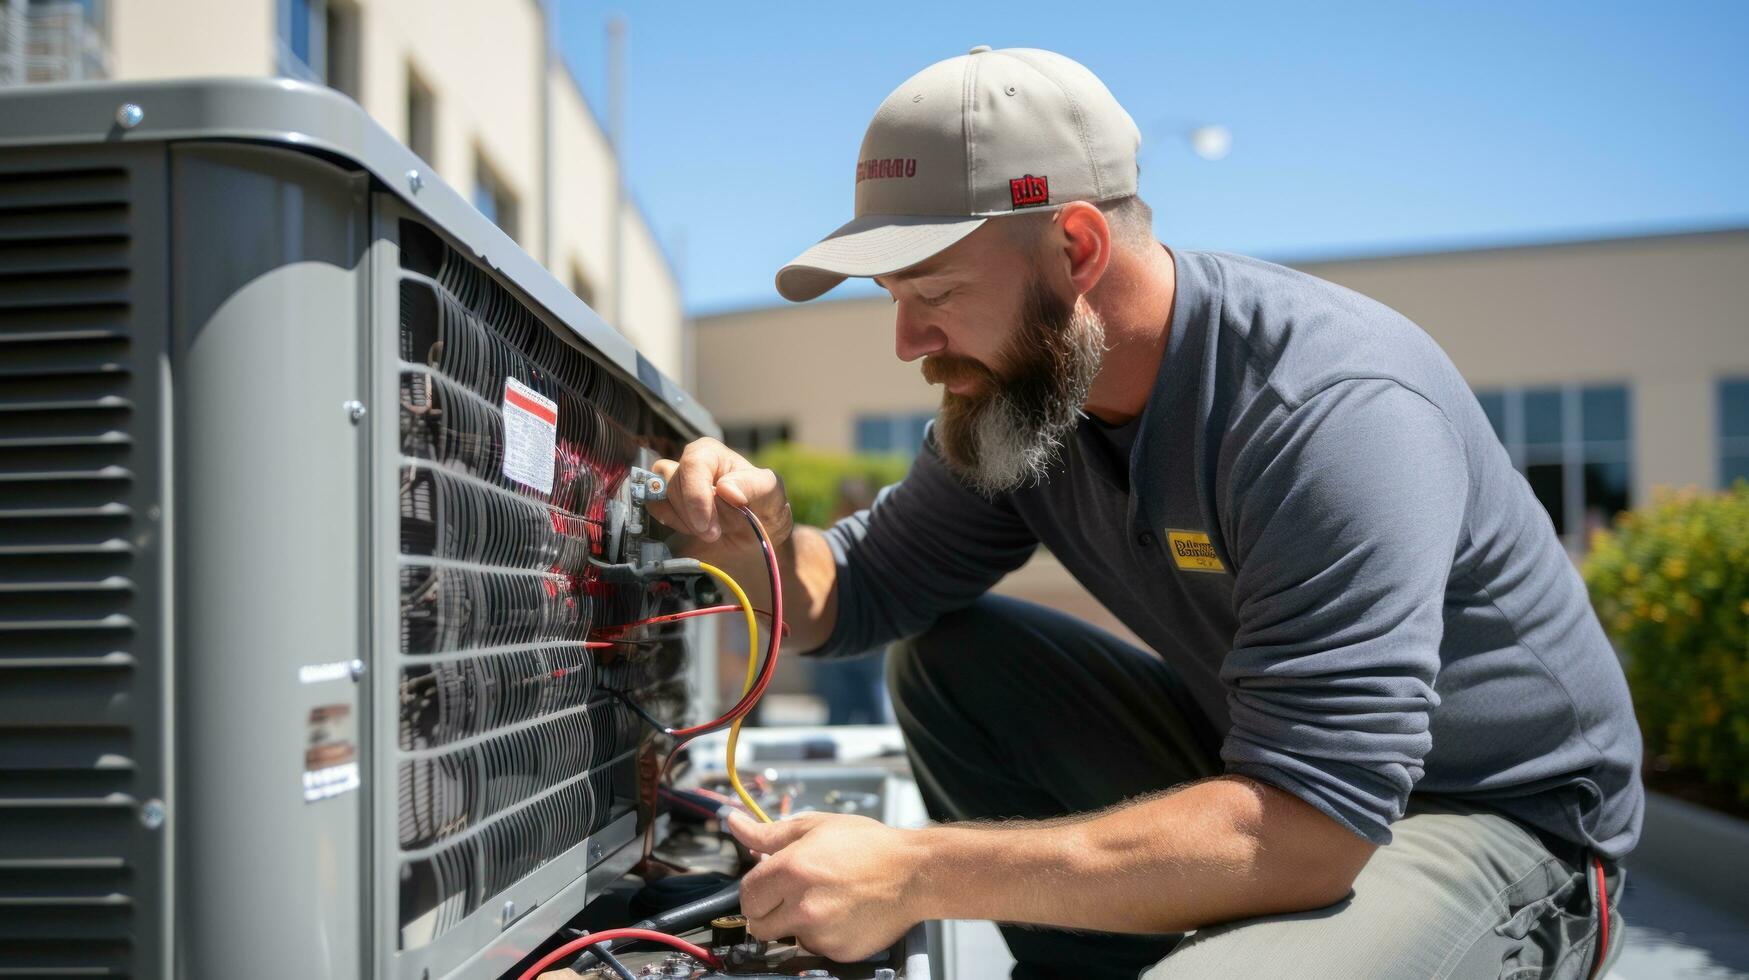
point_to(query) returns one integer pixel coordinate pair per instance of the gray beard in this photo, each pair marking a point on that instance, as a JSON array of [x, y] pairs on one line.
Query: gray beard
[[1012, 438]]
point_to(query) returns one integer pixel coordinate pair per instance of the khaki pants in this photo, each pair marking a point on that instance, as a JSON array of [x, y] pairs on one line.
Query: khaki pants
[[1013, 710]]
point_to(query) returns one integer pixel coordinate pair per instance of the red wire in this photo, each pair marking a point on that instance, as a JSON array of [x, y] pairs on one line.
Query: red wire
[[575, 945], [686, 614], [766, 672], [684, 735], [1602, 917]]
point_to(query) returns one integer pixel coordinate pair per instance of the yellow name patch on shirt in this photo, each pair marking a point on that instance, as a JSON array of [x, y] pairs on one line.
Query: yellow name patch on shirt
[[1193, 552]]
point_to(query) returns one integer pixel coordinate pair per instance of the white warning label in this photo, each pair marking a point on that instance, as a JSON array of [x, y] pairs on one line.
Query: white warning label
[[531, 427]]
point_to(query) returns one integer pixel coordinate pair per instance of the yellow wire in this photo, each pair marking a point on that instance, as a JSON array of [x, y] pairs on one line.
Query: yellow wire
[[752, 672]]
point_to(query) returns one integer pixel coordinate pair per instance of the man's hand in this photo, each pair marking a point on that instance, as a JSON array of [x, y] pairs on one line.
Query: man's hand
[[705, 485], [842, 885]]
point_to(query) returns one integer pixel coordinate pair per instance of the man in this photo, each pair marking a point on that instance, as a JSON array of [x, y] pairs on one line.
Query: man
[[1379, 732]]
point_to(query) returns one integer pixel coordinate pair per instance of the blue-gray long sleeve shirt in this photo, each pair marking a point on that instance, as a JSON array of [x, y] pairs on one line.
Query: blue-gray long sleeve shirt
[[1320, 532]]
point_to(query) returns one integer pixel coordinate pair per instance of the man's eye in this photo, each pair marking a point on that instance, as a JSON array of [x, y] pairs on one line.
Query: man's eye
[[934, 300]]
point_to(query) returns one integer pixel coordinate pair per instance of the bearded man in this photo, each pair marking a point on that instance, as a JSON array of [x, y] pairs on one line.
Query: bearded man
[[1378, 731]]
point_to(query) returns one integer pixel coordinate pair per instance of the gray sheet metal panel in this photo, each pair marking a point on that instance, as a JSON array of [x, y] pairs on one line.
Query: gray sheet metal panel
[[384, 425], [268, 252], [313, 118], [84, 525]]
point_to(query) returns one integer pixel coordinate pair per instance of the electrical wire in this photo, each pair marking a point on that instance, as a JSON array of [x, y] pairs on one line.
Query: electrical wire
[[684, 801], [584, 942], [749, 697], [752, 673], [752, 696], [612, 961], [679, 919], [617, 628], [735, 729], [1602, 904]]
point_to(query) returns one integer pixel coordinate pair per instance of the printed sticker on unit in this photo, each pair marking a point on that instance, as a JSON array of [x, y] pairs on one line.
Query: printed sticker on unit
[[330, 753], [531, 429]]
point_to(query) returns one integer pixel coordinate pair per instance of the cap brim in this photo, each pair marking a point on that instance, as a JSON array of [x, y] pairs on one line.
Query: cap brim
[[872, 245]]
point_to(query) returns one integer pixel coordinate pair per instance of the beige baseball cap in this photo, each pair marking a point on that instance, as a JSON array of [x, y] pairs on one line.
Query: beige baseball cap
[[986, 134]]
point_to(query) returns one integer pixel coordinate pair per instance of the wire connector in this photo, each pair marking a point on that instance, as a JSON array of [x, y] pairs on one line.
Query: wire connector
[[634, 573], [646, 486]]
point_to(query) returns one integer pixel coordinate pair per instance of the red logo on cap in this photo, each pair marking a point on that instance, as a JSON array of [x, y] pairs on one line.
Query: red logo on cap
[[1029, 190]]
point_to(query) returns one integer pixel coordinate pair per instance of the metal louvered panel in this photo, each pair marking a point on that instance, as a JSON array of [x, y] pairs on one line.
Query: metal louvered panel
[[81, 759]]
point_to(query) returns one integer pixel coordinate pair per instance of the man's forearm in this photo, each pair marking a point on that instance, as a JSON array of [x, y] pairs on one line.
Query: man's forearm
[[810, 593], [1211, 852]]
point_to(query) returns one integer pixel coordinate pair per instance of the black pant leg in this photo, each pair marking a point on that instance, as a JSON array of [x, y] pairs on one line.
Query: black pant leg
[[1011, 710]]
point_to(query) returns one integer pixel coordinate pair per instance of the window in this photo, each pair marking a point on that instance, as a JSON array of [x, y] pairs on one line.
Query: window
[[1733, 431], [584, 287], [1572, 443], [421, 118], [299, 39], [493, 198], [340, 70], [318, 42], [902, 433], [53, 41], [750, 437]]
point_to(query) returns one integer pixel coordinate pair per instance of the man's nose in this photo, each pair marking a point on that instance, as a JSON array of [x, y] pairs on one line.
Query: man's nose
[[914, 335]]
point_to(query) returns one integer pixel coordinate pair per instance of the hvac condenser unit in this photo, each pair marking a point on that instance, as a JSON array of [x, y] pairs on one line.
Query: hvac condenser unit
[[303, 466]]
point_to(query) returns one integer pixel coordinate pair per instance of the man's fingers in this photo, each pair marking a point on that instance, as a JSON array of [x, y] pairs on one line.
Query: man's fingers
[[768, 838], [777, 923], [663, 510], [762, 890], [730, 492], [740, 488], [696, 480]]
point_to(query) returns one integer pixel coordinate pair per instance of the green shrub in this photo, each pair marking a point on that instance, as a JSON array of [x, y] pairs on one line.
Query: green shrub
[[823, 484], [1671, 585]]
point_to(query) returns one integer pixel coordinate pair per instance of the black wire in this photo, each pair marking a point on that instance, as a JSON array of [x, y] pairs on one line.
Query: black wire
[[692, 915], [613, 963], [626, 699]]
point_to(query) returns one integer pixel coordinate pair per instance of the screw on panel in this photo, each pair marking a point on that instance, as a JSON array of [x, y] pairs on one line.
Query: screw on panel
[[152, 814], [355, 411], [129, 115], [415, 181], [596, 853], [356, 669]]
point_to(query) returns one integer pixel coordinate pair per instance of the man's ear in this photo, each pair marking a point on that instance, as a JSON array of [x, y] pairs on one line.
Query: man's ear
[[1086, 243]]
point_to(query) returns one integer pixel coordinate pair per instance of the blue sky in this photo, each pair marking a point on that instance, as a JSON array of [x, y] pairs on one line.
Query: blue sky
[[1358, 128]]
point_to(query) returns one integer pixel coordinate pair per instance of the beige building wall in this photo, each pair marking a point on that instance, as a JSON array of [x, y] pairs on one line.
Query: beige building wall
[[652, 302], [816, 366], [483, 62], [1668, 316], [176, 39], [585, 170]]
